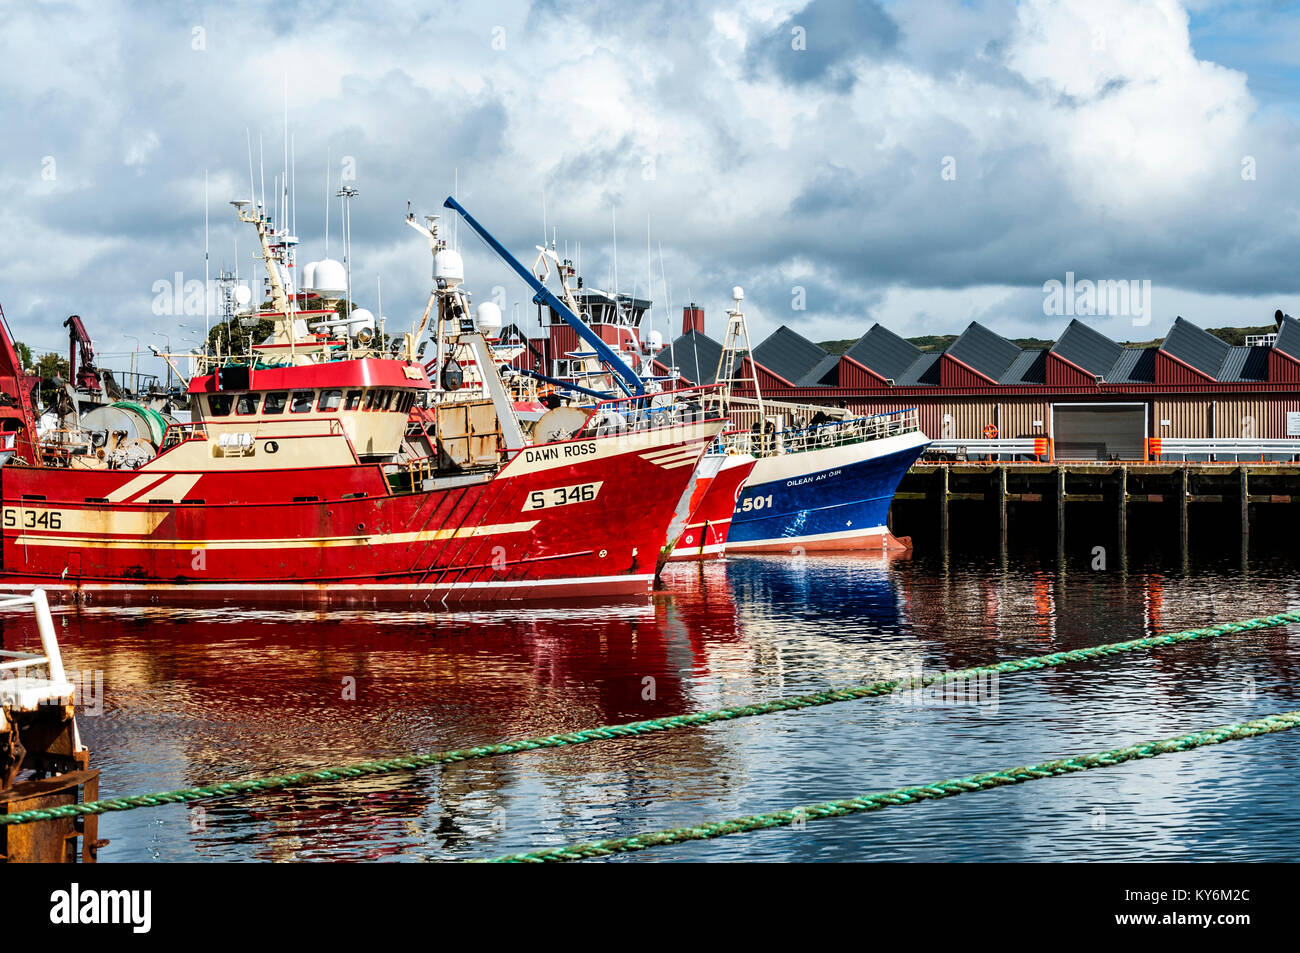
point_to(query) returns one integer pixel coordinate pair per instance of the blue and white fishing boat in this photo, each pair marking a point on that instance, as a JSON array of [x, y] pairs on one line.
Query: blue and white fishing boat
[[819, 483]]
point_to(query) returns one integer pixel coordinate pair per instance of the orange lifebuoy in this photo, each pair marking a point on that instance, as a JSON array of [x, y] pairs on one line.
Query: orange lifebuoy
[[990, 432]]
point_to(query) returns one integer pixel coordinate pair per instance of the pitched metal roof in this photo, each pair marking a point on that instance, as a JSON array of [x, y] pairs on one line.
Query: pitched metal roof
[[1135, 365], [687, 350], [1030, 367], [984, 351], [788, 354], [1244, 364], [1195, 346], [883, 351], [924, 371], [1288, 336], [1087, 348], [822, 374]]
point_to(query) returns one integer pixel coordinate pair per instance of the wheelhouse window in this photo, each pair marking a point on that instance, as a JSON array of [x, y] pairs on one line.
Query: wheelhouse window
[[246, 404], [330, 400], [354, 400], [219, 405], [371, 397], [302, 401], [275, 402]]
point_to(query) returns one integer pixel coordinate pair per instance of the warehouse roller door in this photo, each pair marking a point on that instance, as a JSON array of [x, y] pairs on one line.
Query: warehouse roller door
[[1099, 431]]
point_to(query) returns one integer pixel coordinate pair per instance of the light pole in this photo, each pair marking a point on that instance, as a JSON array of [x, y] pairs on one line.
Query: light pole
[[347, 193], [167, 337], [135, 383]]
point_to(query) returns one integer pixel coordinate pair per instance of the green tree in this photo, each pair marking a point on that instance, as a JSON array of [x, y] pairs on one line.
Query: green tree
[[24, 354]]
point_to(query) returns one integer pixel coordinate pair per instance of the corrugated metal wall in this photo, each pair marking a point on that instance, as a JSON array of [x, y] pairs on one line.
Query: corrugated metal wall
[[1018, 418], [851, 374], [952, 373], [1187, 418], [1060, 373], [1277, 411], [1242, 417], [1227, 417]]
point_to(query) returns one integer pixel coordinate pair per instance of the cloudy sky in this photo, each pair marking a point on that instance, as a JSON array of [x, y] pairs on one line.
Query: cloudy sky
[[921, 164]]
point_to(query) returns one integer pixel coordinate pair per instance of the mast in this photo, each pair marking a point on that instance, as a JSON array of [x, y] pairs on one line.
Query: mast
[[737, 330]]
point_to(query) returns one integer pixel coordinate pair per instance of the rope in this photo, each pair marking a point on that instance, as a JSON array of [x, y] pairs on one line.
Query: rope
[[911, 795], [412, 762]]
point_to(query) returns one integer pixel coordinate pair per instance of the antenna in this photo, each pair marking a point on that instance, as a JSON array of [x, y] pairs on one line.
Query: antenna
[[327, 202], [252, 188], [207, 280], [347, 193], [613, 211], [261, 161]]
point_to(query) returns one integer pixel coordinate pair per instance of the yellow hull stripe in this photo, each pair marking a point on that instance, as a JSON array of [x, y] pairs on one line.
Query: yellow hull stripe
[[312, 542]]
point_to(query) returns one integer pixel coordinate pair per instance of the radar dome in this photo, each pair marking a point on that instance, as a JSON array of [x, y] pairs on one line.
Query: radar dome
[[487, 317], [656, 340], [448, 266], [361, 318], [309, 276], [243, 295], [330, 279], [738, 293]]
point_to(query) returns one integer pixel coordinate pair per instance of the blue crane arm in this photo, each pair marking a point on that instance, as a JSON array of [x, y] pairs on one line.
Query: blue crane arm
[[630, 383]]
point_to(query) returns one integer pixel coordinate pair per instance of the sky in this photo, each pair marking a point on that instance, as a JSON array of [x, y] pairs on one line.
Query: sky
[[920, 164]]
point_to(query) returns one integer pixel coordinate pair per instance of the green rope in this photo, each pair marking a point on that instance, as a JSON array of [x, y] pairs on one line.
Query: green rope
[[909, 795], [414, 762]]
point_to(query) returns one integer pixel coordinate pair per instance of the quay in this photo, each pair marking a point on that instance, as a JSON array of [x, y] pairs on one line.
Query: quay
[[1096, 500]]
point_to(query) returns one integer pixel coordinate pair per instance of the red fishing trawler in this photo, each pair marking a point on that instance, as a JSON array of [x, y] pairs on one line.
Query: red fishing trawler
[[302, 478], [712, 505]]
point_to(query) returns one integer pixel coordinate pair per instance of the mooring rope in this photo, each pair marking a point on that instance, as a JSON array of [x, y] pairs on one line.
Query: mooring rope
[[909, 795], [412, 762]]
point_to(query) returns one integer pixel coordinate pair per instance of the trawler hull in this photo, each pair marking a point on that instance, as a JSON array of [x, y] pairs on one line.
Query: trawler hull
[[833, 498], [709, 523], [582, 517]]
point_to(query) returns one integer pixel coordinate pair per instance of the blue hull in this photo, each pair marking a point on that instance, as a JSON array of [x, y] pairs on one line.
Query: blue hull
[[840, 506]]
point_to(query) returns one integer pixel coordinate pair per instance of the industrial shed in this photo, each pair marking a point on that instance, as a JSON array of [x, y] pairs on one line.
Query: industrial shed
[[1087, 397]]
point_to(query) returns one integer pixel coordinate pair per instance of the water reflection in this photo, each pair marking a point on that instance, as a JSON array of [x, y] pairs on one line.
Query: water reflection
[[194, 695]]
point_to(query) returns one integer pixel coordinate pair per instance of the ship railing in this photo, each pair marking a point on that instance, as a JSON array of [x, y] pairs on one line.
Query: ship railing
[[178, 433], [23, 684], [835, 433], [669, 408]]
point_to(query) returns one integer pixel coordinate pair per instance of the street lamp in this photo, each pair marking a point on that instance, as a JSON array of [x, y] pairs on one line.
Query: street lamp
[[167, 337], [135, 381]]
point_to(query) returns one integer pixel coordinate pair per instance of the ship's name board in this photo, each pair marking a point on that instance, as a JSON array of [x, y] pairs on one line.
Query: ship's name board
[[813, 479], [559, 451]]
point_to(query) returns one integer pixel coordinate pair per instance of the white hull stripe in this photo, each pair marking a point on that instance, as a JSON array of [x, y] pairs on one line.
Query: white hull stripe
[[811, 538], [335, 586], [132, 487]]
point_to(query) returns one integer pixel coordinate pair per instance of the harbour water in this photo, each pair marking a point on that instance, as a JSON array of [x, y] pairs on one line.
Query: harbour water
[[190, 696]]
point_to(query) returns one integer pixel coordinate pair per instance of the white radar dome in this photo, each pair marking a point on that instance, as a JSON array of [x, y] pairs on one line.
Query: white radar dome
[[656, 340], [361, 318], [309, 276], [243, 295], [487, 317], [448, 266], [738, 293], [330, 279]]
